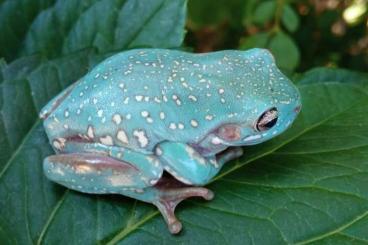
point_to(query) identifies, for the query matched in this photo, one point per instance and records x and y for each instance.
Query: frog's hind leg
(97, 168)
(94, 173)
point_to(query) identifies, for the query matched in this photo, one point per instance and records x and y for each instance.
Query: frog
(157, 125)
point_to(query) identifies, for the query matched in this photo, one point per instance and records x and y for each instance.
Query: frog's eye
(267, 120)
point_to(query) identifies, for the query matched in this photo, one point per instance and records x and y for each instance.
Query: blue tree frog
(144, 112)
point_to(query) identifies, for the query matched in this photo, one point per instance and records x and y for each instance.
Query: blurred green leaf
(289, 18)
(259, 40)
(281, 45)
(264, 12)
(203, 13)
(285, 51)
(15, 20)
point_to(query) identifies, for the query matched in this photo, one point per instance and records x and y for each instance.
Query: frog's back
(141, 97)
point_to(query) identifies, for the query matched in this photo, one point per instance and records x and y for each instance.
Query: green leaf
(285, 51)
(289, 18)
(70, 41)
(15, 19)
(323, 74)
(264, 12)
(106, 25)
(308, 185)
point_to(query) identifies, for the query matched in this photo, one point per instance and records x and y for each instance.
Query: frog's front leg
(190, 167)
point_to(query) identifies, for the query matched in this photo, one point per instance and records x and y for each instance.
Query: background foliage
(311, 32)
(309, 185)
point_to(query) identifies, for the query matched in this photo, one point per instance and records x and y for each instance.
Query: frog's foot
(171, 193)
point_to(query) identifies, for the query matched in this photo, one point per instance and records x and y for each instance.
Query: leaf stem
(279, 8)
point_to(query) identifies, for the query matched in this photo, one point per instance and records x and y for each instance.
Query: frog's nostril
(297, 109)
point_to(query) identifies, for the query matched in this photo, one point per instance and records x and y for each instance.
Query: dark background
(301, 34)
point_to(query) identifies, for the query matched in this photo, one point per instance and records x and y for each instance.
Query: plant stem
(279, 8)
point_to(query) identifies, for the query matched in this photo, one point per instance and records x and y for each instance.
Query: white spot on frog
(252, 137)
(192, 97)
(158, 151)
(144, 113)
(116, 119)
(59, 143)
(194, 155)
(106, 140)
(90, 132)
(209, 117)
(172, 125)
(139, 97)
(121, 136)
(121, 180)
(216, 141)
(149, 119)
(141, 137)
(176, 99)
(194, 123)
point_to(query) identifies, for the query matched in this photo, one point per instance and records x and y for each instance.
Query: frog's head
(270, 105)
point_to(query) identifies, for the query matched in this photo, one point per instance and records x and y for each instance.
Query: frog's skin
(144, 111)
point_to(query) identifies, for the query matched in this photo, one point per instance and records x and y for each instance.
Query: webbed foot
(171, 193)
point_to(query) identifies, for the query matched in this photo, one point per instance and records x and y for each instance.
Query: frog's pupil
(271, 123)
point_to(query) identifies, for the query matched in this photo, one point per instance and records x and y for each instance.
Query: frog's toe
(175, 227)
